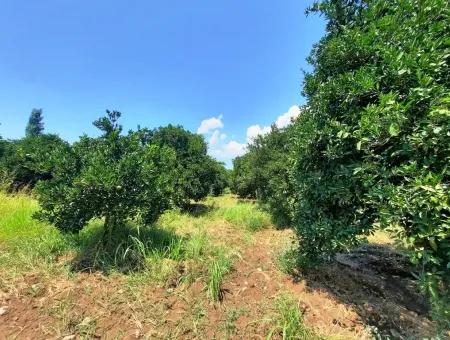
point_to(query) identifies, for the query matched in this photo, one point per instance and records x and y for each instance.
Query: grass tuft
(288, 321)
(218, 269)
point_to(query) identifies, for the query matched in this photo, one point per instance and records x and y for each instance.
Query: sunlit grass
(244, 215)
(27, 242)
(181, 247)
(288, 321)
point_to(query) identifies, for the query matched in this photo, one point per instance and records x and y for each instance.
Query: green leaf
(394, 129)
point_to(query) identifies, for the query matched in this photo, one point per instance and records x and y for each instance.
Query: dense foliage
(373, 148)
(114, 177)
(198, 175)
(26, 161)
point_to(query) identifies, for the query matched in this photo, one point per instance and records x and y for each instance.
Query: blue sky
(233, 64)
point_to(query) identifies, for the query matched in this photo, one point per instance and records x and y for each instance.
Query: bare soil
(372, 286)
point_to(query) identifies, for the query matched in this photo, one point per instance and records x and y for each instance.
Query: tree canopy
(114, 177)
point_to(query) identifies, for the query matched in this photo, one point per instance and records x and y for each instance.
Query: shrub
(265, 173)
(26, 161)
(113, 177)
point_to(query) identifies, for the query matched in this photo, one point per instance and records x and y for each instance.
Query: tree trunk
(108, 229)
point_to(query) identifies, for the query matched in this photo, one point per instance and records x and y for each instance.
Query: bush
(373, 147)
(113, 177)
(265, 173)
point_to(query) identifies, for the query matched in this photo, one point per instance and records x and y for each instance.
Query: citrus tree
(373, 147)
(114, 177)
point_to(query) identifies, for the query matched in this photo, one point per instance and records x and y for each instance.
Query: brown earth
(370, 287)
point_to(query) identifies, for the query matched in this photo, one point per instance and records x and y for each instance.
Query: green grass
(218, 269)
(288, 321)
(27, 244)
(178, 248)
(246, 215)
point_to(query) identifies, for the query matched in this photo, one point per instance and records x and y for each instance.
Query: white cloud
(210, 124)
(214, 137)
(233, 149)
(229, 150)
(225, 150)
(256, 130)
(282, 121)
(286, 118)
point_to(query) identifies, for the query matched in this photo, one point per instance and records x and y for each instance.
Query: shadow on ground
(379, 283)
(198, 209)
(126, 252)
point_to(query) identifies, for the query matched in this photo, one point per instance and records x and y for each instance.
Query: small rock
(3, 310)
(69, 337)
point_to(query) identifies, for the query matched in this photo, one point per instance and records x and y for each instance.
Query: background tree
(197, 173)
(35, 126)
(265, 173)
(244, 182)
(26, 161)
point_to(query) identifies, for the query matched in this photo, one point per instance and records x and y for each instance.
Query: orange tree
(373, 147)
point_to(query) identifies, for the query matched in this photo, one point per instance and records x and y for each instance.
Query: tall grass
(218, 269)
(27, 243)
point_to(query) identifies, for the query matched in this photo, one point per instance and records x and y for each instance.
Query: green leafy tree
(197, 174)
(26, 161)
(265, 173)
(244, 182)
(373, 147)
(35, 126)
(273, 166)
(220, 178)
(114, 177)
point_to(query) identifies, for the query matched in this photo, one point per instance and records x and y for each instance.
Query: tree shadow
(198, 209)
(380, 284)
(126, 252)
